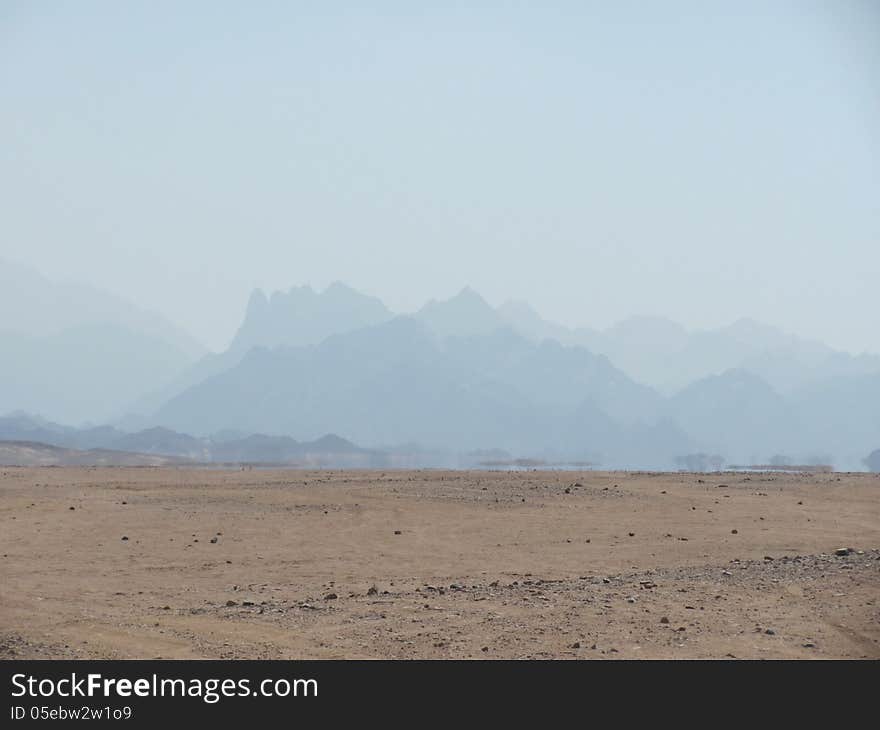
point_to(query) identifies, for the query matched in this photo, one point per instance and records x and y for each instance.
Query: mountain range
(29, 438)
(455, 376)
(76, 353)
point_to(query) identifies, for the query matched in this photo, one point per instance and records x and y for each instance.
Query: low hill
(32, 453)
(31, 440)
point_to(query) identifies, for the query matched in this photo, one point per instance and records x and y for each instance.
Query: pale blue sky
(703, 161)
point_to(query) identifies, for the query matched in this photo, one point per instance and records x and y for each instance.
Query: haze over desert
(449, 343)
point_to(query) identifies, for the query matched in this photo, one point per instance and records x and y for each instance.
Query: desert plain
(282, 564)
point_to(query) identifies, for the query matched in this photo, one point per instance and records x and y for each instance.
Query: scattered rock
(231, 603)
(664, 620)
(734, 532)
(330, 597)
(576, 645)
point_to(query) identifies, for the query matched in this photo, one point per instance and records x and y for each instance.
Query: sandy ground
(429, 564)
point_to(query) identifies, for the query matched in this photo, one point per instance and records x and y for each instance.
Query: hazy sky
(624, 158)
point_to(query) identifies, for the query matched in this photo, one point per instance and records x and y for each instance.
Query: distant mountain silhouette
(29, 453)
(300, 316)
(737, 414)
(40, 307)
(522, 318)
(399, 381)
(456, 376)
(663, 354)
(160, 440)
(841, 415)
(84, 373)
(21, 426)
(786, 362)
(467, 313)
(45, 441)
(460, 375)
(77, 353)
(329, 450)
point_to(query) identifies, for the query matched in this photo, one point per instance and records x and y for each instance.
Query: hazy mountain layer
(78, 354)
(399, 382)
(300, 316)
(84, 373)
(666, 356)
(456, 376)
(34, 305)
(20, 434)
